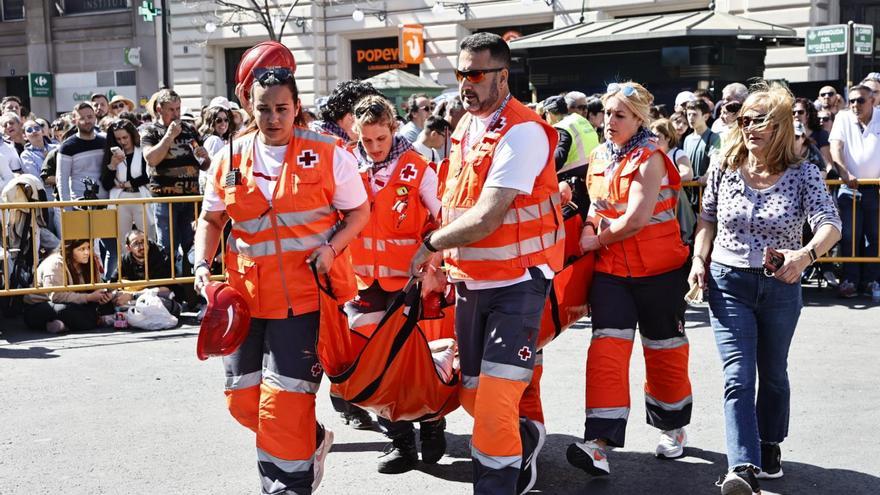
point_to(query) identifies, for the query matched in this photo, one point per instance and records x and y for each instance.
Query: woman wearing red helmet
(295, 199)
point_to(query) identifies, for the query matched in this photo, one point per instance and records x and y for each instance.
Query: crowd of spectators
(105, 148)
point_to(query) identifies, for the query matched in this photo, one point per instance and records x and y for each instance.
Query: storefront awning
(678, 25)
(398, 79)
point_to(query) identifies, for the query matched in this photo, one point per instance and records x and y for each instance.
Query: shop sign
(68, 97)
(374, 56)
(85, 6)
(133, 56)
(412, 44)
(40, 84)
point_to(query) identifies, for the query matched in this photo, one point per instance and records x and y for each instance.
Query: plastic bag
(150, 313)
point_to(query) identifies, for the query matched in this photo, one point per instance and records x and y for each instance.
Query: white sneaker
(321, 456)
(672, 443)
(590, 457)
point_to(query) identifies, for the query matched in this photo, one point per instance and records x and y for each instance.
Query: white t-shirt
(268, 160)
(428, 153)
(427, 189)
(519, 158)
(861, 148)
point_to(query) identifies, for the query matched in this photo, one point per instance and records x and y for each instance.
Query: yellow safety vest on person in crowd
(583, 140)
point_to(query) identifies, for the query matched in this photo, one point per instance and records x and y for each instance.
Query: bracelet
(427, 243)
(699, 257)
(813, 256)
(590, 224)
(202, 263)
(335, 253)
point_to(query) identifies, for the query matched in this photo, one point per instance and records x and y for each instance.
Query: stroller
(18, 253)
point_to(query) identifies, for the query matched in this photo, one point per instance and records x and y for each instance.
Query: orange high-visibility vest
(655, 249)
(384, 249)
(532, 233)
(270, 242)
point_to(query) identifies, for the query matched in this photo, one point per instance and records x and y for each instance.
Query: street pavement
(136, 413)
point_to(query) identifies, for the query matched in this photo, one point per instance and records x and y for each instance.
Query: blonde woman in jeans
(759, 197)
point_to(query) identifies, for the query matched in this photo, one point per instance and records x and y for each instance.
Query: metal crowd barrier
(91, 220)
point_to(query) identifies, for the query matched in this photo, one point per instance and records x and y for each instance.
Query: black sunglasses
(830, 94)
(374, 108)
(858, 101)
(118, 105)
(222, 119)
(746, 122)
(799, 112)
(824, 119)
(475, 76)
(272, 76)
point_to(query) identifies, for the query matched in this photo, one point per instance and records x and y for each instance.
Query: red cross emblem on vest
(499, 125)
(409, 172)
(525, 353)
(307, 159)
(317, 369)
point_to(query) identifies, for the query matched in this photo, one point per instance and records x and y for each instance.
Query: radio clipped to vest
(233, 177)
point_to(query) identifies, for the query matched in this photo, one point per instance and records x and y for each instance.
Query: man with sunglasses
(855, 150)
(418, 109)
(828, 100)
(502, 243)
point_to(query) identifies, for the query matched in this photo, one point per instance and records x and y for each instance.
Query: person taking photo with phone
(756, 202)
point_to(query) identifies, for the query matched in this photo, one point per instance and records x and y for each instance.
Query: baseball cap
(684, 97)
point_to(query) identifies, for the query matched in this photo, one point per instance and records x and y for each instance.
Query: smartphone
(115, 149)
(773, 260)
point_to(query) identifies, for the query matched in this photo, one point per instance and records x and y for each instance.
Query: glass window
(13, 10)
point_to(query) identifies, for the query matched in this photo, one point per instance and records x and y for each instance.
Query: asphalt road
(137, 413)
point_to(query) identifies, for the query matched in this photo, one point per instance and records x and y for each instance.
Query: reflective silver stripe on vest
(289, 384)
(290, 219)
(313, 136)
(238, 382)
(288, 244)
(470, 382)
(379, 244)
(658, 345)
(510, 251)
(617, 333)
(513, 215)
(359, 320)
(495, 461)
(285, 465)
(663, 216)
(539, 359)
(669, 406)
(381, 271)
(505, 371)
(608, 412)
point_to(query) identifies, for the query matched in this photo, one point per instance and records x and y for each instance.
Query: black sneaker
(771, 461)
(400, 455)
(740, 481)
(532, 435)
(358, 419)
(432, 437)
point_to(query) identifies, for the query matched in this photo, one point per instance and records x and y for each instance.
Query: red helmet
(226, 322)
(262, 55)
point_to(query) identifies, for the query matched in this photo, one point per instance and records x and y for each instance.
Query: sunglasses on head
(626, 89)
(374, 108)
(799, 112)
(271, 76)
(118, 106)
(31, 129)
(828, 94)
(746, 122)
(475, 76)
(858, 101)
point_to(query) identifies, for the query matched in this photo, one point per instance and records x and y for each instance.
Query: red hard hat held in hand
(268, 54)
(226, 322)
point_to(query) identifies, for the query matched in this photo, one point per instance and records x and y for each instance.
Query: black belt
(759, 270)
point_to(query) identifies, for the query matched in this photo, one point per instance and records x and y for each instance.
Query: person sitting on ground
(61, 311)
(139, 256)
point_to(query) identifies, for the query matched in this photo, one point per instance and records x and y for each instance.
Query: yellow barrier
(90, 222)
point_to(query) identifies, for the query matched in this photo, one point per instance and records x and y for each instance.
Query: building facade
(87, 46)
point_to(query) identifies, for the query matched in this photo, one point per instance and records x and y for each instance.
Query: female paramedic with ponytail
(640, 278)
(403, 198)
(295, 199)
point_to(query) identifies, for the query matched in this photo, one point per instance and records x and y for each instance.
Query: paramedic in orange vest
(403, 198)
(640, 279)
(502, 239)
(295, 199)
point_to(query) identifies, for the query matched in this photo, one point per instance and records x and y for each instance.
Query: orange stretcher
(391, 372)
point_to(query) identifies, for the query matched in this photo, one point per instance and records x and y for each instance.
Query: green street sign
(863, 39)
(827, 40)
(40, 84)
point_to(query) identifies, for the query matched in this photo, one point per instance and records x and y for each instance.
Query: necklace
(489, 126)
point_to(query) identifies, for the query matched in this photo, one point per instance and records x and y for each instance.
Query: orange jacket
(532, 233)
(270, 242)
(655, 249)
(384, 249)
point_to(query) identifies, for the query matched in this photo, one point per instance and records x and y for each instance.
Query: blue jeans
(184, 214)
(865, 228)
(753, 317)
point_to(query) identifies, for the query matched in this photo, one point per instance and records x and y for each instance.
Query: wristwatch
(202, 263)
(427, 243)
